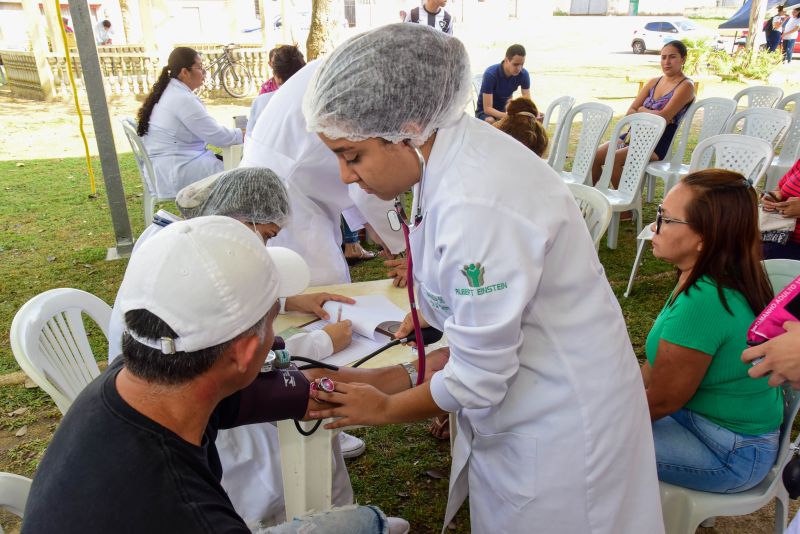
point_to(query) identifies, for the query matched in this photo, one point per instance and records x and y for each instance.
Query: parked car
(655, 34)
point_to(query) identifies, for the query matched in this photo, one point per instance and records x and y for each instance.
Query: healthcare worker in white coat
(250, 455)
(553, 430)
(175, 126)
(281, 141)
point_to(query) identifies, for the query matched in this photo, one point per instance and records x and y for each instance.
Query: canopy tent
(741, 19)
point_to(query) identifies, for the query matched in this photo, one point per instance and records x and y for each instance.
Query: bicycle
(235, 78)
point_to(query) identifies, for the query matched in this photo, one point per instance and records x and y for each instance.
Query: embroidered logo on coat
(474, 273)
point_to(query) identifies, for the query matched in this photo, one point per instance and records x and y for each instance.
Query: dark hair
(724, 211)
(181, 58)
(287, 61)
(154, 366)
(273, 52)
(521, 124)
(515, 50)
(679, 46)
(106, 23)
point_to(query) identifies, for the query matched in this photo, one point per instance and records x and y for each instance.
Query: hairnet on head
(397, 82)
(191, 198)
(252, 194)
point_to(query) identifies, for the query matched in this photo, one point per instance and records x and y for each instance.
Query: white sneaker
(398, 525)
(352, 447)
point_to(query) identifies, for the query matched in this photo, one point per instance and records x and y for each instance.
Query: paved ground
(587, 57)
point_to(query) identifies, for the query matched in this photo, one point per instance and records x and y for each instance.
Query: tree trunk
(320, 36)
(758, 12)
(126, 19)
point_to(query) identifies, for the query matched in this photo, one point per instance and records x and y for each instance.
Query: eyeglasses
(660, 218)
(201, 67)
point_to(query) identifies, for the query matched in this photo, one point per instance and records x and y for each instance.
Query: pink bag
(769, 323)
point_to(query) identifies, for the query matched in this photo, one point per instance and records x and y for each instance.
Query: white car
(657, 33)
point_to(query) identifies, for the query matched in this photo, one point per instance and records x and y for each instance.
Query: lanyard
(398, 220)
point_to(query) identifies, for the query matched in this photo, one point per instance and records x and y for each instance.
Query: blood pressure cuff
(273, 396)
(784, 307)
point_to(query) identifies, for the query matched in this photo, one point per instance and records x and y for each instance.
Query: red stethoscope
(398, 220)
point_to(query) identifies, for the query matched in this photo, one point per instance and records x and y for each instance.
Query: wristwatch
(412, 373)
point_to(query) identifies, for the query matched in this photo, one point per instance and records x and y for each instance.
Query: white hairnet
(397, 82)
(252, 194)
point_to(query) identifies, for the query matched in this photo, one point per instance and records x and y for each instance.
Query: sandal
(361, 254)
(440, 427)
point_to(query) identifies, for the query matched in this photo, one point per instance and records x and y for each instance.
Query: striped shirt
(441, 20)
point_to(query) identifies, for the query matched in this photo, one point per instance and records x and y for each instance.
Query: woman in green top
(715, 428)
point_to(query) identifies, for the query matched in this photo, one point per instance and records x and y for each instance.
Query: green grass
(53, 235)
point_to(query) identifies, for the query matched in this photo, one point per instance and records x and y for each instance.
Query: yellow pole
(93, 189)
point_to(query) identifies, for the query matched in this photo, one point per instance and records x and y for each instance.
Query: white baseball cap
(210, 279)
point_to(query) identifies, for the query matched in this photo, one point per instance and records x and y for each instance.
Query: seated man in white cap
(136, 452)
(250, 455)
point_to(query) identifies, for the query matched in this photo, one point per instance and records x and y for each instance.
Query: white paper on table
(359, 346)
(366, 314)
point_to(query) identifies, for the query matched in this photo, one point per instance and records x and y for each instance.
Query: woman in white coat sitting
(175, 126)
(553, 430)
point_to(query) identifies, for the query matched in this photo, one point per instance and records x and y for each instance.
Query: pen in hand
(339, 315)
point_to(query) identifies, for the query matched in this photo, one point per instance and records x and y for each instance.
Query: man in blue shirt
(499, 83)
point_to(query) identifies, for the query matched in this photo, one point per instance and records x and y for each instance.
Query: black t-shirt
(111, 469)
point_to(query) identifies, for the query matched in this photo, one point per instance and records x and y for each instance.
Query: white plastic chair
(50, 344)
(685, 509)
(477, 81)
(768, 124)
(595, 208)
(557, 111)
(759, 96)
(790, 151)
(14, 490)
(146, 172)
(715, 114)
(748, 156)
(596, 118)
(645, 131)
(781, 272)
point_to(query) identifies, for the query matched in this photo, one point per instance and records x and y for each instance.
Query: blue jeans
(348, 236)
(773, 40)
(352, 520)
(695, 453)
(788, 49)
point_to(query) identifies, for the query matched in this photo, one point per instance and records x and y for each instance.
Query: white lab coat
(179, 130)
(258, 105)
(310, 171)
(250, 455)
(553, 427)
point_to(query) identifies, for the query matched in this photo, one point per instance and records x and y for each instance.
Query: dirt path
(38, 130)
